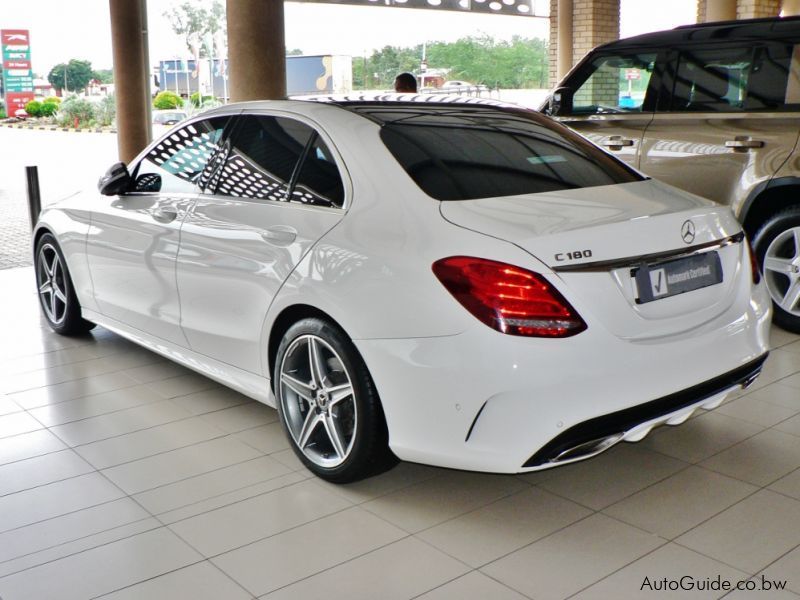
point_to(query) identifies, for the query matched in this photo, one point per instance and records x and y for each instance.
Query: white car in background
(451, 282)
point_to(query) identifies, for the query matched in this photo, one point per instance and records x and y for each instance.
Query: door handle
(279, 235)
(164, 215)
(616, 142)
(743, 143)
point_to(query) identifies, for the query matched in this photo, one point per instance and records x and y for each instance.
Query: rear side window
(712, 80)
(318, 181)
(496, 154)
(262, 158)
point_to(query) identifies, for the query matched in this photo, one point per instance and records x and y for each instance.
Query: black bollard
(34, 197)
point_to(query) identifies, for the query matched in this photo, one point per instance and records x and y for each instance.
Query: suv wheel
(777, 247)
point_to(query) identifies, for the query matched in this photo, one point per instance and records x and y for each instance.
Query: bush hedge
(34, 108)
(167, 100)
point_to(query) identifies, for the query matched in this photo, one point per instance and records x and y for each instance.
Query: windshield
(463, 154)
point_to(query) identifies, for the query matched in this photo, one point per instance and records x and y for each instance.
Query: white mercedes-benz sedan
(456, 283)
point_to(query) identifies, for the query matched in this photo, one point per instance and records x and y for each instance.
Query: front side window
(615, 84)
(262, 159)
(485, 154)
(182, 161)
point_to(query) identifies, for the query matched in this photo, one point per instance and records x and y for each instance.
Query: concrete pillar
(256, 50)
(131, 76)
(564, 18)
(790, 8)
(756, 9)
(593, 22)
(716, 10)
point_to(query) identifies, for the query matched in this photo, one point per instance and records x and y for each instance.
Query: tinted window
(712, 80)
(263, 155)
(181, 162)
(768, 89)
(318, 181)
(486, 154)
(615, 84)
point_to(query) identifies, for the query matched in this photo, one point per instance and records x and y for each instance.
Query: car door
(719, 129)
(133, 239)
(280, 191)
(613, 97)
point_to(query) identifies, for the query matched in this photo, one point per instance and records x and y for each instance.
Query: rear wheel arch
(767, 199)
(288, 317)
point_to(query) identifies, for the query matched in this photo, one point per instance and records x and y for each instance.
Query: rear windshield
(483, 154)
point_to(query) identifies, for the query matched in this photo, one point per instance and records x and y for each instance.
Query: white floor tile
(293, 555)
(102, 570)
(181, 464)
(201, 581)
(251, 520)
(751, 534)
(41, 470)
(28, 445)
(574, 558)
(141, 444)
(17, 423)
(401, 570)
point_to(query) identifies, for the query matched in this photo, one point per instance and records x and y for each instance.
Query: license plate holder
(669, 278)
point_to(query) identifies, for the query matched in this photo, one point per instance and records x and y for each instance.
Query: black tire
(775, 237)
(356, 418)
(60, 305)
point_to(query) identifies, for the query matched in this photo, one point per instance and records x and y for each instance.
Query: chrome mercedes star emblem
(687, 231)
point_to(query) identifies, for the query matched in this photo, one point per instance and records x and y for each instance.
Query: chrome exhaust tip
(588, 449)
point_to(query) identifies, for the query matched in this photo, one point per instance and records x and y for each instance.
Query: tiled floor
(123, 476)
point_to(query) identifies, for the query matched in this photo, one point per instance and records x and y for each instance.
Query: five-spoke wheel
(328, 403)
(56, 294)
(777, 246)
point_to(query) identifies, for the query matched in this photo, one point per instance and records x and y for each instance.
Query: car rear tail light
(754, 268)
(509, 299)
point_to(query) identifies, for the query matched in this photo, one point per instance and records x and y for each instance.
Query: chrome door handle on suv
(742, 143)
(616, 142)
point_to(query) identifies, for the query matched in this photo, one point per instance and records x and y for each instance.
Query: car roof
(377, 107)
(721, 31)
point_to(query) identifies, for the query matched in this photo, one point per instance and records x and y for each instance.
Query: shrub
(167, 100)
(48, 108)
(198, 101)
(78, 108)
(3, 113)
(34, 108)
(106, 111)
(52, 100)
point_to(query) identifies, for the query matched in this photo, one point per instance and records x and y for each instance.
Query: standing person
(405, 83)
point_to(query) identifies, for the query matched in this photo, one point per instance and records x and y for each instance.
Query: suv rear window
(465, 155)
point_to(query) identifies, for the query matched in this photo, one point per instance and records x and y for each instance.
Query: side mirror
(561, 101)
(117, 180)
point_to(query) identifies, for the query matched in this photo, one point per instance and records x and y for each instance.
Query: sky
(61, 29)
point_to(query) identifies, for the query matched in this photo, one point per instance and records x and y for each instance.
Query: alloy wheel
(782, 270)
(318, 402)
(51, 281)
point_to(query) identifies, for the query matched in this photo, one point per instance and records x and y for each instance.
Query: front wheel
(328, 404)
(777, 247)
(56, 293)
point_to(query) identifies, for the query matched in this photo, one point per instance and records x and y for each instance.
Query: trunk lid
(626, 226)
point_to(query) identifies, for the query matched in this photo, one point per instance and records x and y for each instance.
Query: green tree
(198, 22)
(78, 75)
(104, 75)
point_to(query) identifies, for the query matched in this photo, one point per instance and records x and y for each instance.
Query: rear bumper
(632, 424)
(485, 401)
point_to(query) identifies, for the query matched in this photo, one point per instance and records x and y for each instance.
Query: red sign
(17, 64)
(632, 74)
(15, 37)
(16, 101)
